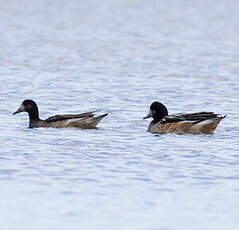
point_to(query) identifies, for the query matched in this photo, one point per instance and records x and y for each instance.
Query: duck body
(84, 120)
(194, 123)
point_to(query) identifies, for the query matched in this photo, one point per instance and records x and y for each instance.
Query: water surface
(118, 56)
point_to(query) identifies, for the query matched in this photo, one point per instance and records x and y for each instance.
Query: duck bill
(148, 115)
(18, 111)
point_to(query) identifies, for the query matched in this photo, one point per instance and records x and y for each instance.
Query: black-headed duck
(84, 120)
(196, 123)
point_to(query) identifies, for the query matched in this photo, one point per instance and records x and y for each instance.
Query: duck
(86, 120)
(194, 123)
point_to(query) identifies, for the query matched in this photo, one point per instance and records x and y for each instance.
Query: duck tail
(209, 125)
(96, 120)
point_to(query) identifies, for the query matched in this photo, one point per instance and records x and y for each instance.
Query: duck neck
(156, 119)
(33, 116)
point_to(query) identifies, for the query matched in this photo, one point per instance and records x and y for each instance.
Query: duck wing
(69, 116)
(196, 117)
(172, 118)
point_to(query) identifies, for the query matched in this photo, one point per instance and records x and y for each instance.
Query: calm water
(118, 56)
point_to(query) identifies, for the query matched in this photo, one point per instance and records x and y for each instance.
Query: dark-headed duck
(202, 122)
(84, 120)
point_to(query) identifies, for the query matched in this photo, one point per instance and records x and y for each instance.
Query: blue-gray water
(118, 56)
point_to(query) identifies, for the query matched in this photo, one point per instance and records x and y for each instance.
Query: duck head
(30, 107)
(157, 111)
